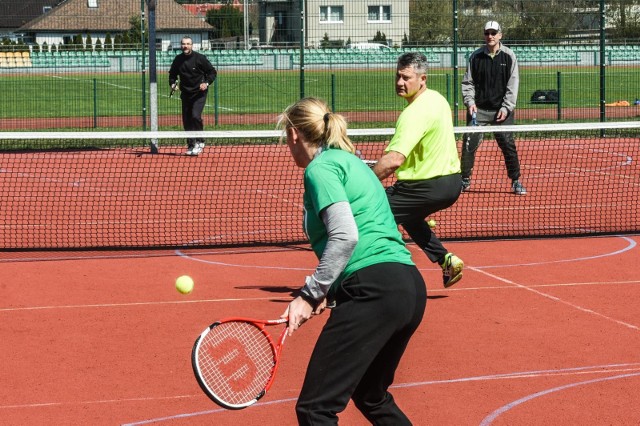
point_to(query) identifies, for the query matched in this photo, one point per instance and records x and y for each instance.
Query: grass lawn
(63, 94)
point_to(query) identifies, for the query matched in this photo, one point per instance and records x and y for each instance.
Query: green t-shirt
(335, 175)
(424, 135)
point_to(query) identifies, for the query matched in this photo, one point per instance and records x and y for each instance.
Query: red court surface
(538, 332)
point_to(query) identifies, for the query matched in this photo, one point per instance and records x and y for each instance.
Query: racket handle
(474, 120)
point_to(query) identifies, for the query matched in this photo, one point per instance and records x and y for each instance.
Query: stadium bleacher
(437, 55)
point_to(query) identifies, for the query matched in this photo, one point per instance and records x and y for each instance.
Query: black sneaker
(517, 188)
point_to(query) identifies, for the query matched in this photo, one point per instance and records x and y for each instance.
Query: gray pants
(505, 141)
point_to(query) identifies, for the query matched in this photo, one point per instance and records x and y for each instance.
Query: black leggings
(377, 310)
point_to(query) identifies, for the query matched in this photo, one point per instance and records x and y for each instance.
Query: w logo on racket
(235, 361)
(234, 365)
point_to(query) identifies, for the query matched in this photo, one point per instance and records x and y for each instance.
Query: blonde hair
(319, 126)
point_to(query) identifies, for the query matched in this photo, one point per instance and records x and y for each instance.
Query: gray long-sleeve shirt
(342, 234)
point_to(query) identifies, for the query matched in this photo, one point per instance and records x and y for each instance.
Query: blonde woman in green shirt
(424, 157)
(364, 269)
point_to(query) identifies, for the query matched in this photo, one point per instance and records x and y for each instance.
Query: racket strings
(236, 360)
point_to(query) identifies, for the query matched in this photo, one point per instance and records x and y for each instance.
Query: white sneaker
(189, 151)
(197, 149)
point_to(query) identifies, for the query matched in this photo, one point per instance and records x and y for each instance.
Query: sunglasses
(490, 33)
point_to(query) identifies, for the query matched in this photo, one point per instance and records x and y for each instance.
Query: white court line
(556, 299)
(250, 299)
(491, 417)
(631, 244)
(571, 371)
(120, 305)
(602, 369)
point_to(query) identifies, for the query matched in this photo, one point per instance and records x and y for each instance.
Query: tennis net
(88, 190)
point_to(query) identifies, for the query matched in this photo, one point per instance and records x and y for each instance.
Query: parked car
(368, 46)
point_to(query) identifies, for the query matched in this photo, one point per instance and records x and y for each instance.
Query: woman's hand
(298, 312)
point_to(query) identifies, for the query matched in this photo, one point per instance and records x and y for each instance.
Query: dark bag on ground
(544, 97)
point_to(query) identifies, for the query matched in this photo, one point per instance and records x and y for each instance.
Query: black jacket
(193, 70)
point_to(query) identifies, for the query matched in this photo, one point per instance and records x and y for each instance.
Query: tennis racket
(474, 122)
(173, 89)
(235, 360)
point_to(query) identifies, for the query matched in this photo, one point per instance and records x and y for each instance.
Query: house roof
(201, 9)
(113, 15)
(14, 14)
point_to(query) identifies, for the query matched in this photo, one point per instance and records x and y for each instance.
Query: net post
(143, 67)
(153, 80)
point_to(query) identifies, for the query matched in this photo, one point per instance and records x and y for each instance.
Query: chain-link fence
(80, 64)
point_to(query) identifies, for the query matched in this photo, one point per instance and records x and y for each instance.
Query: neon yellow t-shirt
(424, 135)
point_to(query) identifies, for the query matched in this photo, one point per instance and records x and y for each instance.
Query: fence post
(215, 101)
(559, 87)
(95, 103)
(602, 67)
(455, 62)
(333, 92)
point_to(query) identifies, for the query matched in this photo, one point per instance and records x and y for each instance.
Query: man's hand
(388, 164)
(501, 116)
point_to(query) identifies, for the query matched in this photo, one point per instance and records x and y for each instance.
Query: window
(379, 14)
(331, 14)
(92, 3)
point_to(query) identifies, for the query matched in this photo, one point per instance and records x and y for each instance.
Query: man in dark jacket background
(195, 74)
(490, 90)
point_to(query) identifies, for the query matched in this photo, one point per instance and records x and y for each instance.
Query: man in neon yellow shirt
(424, 156)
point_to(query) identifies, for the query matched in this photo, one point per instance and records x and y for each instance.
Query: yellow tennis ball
(184, 284)
(432, 223)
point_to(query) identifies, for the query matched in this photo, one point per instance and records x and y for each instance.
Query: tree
(534, 20)
(431, 21)
(227, 21)
(108, 43)
(380, 38)
(324, 43)
(77, 42)
(134, 34)
(623, 19)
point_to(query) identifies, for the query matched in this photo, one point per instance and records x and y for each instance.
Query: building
(16, 13)
(339, 21)
(97, 18)
(200, 9)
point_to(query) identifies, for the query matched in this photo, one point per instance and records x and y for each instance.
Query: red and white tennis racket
(235, 360)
